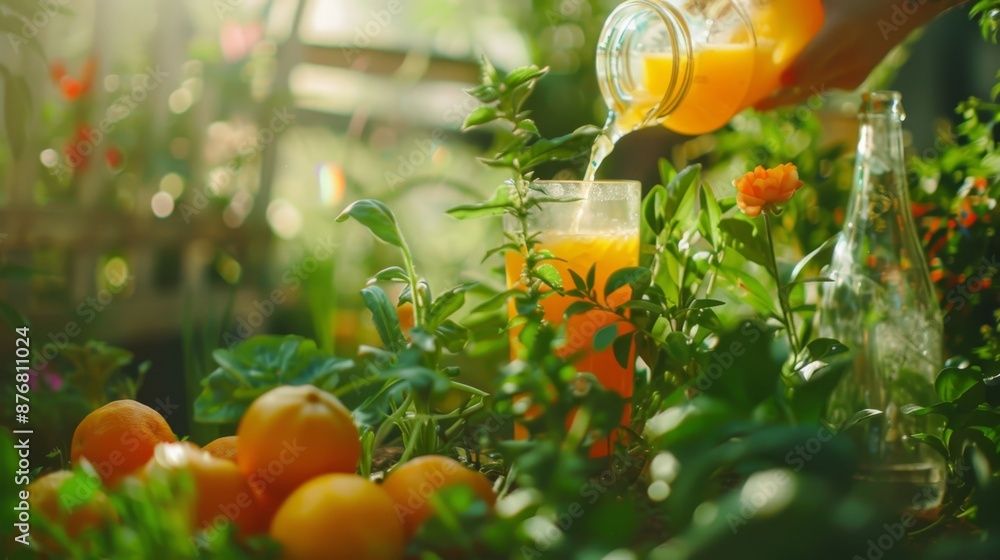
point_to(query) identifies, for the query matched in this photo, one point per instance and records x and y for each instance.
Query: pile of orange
(289, 471)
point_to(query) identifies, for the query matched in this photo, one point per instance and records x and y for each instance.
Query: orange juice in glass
(598, 226)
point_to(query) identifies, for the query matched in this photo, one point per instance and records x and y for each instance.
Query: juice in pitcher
(691, 65)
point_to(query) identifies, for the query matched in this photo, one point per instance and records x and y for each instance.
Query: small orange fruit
(222, 495)
(338, 516)
(223, 447)
(75, 503)
(412, 484)
(290, 435)
(406, 317)
(119, 438)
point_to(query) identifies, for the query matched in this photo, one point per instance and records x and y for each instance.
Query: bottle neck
(880, 201)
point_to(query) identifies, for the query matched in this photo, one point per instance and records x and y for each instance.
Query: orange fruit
(338, 516)
(119, 438)
(290, 435)
(412, 484)
(406, 317)
(76, 504)
(223, 447)
(222, 495)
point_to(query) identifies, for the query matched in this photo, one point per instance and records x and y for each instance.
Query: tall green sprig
(520, 148)
(542, 378)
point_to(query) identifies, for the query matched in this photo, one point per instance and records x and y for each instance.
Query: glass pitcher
(694, 64)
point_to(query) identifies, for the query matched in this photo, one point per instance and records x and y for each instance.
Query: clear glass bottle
(881, 304)
(694, 64)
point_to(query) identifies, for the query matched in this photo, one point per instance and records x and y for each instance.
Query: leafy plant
(970, 443)
(96, 367)
(258, 365)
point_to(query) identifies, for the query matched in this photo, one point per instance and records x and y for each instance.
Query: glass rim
(583, 182)
(577, 192)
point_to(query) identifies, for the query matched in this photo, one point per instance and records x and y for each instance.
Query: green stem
(578, 429)
(386, 426)
(469, 389)
(782, 297)
(411, 271)
(426, 430)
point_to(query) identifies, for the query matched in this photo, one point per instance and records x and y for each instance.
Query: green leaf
(578, 282)
(258, 365)
(744, 236)
(825, 347)
(391, 274)
(821, 254)
(550, 275)
(452, 335)
(484, 93)
(385, 317)
(706, 303)
(952, 382)
(710, 217)
(501, 249)
(787, 288)
(707, 319)
(680, 195)
(480, 115)
(688, 421)
(574, 145)
(667, 171)
(642, 305)
(652, 217)
(742, 369)
(623, 349)
(423, 339)
(528, 125)
(495, 206)
(749, 288)
(487, 72)
(422, 381)
(446, 304)
(605, 337)
(638, 278)
(942, 408)
(934, 442)
(496, 301)
(524, 75)
(678, 348)
(578, 307)
(377, 217)
(858, 417)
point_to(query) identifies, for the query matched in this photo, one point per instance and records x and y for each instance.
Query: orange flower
(763, 188)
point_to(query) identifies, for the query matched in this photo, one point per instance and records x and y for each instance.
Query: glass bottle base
(913, 487)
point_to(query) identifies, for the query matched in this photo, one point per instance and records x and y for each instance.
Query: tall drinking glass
(595, 223)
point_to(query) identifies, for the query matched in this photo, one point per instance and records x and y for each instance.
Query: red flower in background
(113, 157)
(80, 148)
(70, 87)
